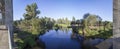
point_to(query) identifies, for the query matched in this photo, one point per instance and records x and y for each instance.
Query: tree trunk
(104, 28)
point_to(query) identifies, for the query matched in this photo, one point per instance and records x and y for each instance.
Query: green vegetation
(28, 29)
(92, 26)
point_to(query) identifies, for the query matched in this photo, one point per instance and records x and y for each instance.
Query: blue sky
(66, 8)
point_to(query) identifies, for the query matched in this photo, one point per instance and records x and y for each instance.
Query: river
(60, 39)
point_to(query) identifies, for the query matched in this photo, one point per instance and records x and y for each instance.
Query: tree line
(29, 28)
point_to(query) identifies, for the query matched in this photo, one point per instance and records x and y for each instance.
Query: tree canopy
(31, 11)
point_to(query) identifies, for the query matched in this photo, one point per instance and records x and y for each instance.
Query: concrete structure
(116, 17)
(6, 11)
(116, 24)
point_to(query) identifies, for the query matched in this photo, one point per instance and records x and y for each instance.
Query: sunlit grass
(63, 25)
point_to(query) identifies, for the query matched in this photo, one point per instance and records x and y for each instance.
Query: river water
(60, 39)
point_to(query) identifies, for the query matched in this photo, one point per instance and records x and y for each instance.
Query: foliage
(84, 22)
(86, 15)
(91, 19)
(105, 27)
(24, 40)
(35, 26)
(31, 27)
(73, 19)
(31, 11)
(63, 21)
(46, 23)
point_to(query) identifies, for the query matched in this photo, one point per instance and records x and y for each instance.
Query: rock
(91, 43)
(105, 44)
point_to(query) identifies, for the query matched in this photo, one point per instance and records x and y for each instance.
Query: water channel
(60, 39)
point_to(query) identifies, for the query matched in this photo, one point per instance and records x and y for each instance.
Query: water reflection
(60, 39)
(65, 30)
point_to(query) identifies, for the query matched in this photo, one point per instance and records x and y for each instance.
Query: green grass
(63, 25)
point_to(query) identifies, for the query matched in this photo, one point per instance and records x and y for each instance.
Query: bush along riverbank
(25, 40)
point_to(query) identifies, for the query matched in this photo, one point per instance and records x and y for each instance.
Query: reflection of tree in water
(63, 29)
(56, 30)
(66, 30)
(74, 32)
(56, 27)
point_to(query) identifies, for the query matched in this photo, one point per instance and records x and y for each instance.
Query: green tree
(84, 26)
(29, 26)
(61, 21)
(86, 15)
(91, 19)
(73, 18)
(31, 11)
(35, 26)
(99, 20)
(67, 21)
(46, 23)
(30, 19)
(107, 25)
(77, 22)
